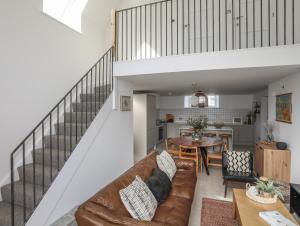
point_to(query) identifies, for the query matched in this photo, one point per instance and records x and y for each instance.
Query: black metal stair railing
(52, 141)
(173, 27)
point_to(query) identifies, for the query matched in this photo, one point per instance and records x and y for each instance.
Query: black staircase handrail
(100, 77)
(174, 27)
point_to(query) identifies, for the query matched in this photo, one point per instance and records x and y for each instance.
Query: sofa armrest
(185, 164)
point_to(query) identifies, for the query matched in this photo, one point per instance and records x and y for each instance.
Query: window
(68, 12)
(213, 101)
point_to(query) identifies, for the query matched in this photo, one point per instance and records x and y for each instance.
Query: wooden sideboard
(272, 163)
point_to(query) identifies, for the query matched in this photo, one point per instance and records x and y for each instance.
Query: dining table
(203, 144)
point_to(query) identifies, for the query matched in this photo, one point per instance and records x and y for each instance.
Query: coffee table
(247, 211)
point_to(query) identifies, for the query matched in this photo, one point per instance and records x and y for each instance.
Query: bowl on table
(218, 125)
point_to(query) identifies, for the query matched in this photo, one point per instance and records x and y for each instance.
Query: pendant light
(199, 99)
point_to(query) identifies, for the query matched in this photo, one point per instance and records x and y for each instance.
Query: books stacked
(274, 218)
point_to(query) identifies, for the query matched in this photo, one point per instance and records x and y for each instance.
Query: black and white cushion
(238, 161)
(139, 200)
(166, 163)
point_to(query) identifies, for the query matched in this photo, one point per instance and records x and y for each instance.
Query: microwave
(237, 120)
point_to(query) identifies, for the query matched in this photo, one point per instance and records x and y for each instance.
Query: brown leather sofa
(106, 208)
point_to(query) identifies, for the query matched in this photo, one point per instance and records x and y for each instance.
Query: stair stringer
(96, 161)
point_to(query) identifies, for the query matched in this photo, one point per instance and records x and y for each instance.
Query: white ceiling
(229, 81)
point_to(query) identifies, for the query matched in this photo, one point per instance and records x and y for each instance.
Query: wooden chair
(225, 138)
(215, 158)
(191, 153)
(172, 149)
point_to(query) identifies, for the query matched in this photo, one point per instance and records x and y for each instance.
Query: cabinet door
(235, 135)
(151, 112)
(152, 139)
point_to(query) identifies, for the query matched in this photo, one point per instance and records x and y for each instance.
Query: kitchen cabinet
(144, 124)
(243, 134)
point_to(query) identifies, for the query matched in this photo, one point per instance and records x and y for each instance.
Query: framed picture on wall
(284, 108)
(125, 103)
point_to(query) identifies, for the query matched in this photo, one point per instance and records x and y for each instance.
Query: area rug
(217, 213)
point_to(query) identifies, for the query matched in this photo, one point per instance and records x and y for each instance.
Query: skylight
(68, 12)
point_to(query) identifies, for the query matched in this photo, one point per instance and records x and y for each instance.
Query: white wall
(236, 101)
(288, 133)
(40, 60)
(226, 102)
(262, 118)
(104, 153)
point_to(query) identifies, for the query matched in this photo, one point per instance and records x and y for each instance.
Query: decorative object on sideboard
(281, 145)
(284, 108)
(269, 128)
(125, 103)
(198, 125)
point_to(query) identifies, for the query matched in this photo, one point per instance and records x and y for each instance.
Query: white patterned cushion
(238, 161)
(139, 200)
(166, 164)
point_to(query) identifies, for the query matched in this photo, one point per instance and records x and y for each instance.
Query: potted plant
(198, 125)
(267, 189)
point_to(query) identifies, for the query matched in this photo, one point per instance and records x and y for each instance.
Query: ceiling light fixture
(199, 99)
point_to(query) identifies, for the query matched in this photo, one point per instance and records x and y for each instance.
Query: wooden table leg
(204, 157)
(234, 208)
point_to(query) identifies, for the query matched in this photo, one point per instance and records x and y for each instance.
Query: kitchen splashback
(213, 114)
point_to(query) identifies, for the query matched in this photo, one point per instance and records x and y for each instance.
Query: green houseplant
(267, 189)
(198, 125)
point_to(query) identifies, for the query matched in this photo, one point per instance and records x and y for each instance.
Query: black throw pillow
(160, 185)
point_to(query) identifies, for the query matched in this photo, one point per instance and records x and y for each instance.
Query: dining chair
(172, 149)
(191, 153)
(226, 138)
(215, 158)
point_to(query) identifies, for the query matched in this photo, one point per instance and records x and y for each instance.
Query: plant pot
(267, 195)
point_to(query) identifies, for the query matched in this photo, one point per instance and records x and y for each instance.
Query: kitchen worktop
(209, 123)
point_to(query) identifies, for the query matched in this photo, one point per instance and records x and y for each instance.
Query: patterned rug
(217, 213)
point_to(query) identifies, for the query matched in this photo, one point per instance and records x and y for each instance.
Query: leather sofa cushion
(183, 184)
(174, 211)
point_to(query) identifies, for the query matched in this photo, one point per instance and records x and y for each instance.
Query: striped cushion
(139, 200)
(166, 164)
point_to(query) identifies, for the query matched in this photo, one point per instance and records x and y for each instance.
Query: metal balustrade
(57, 135)
(175, 27)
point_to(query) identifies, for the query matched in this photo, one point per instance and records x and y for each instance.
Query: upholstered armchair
(237, 168)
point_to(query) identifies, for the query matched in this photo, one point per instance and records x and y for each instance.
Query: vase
(196, 135)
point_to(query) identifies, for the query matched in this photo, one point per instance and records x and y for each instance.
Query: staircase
(43, 153)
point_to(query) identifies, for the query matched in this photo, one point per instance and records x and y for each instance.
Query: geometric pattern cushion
(238, 161)
(166, 164)
(139, 200)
